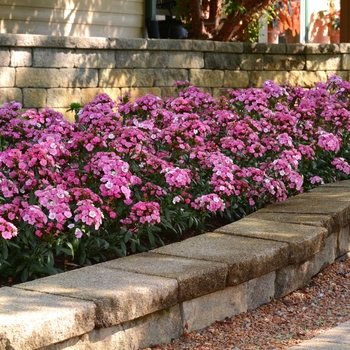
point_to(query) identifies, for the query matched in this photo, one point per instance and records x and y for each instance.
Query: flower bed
(127, 175)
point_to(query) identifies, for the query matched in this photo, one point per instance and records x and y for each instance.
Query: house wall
(81, 18)
(43, 71)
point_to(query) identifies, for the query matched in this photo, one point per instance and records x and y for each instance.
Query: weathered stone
(7, 77)
(53, 58)
(94, 59)
(220, 46)
(139, 92)
(222, 61)
(306, 79)
(284, 62)
(133, 59)
(167, 77)
(7, 40)
(55, 41)
(236, 79)
(21, 57)
(194, 277)
(322, 48)
(326, 256)
(304, 241)
(158, 59)
(126, 78)
(343, 238)
(292, 277)
(167, 92)
(206, 78)
(345, 62)
(169, 45)
(37, 77)
(264, 48)
(10, 94)
(130, 44)
(323, 62)
(296, 49)
(235, 251)
(135, 334)
(203, 311)
(31, 320)
(62, 97)
(257, 78)
(218, 92)
(252, 62)
(5, 57)
(34, 98)
(260, 290)
(92, 43)
(90, 93)
(73, 77)
(119, 296)
(344, 47)
(343, 74)
(203, 45)
(185, 60)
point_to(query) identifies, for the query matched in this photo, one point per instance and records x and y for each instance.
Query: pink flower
(7, 230)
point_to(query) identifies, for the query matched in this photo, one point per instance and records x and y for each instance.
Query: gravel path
(280, 324)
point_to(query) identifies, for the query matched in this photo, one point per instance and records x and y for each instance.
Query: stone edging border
(150, 298)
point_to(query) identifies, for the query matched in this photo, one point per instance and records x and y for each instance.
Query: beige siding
(85, 18)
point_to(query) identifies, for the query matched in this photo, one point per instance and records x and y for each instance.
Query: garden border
(153, 297)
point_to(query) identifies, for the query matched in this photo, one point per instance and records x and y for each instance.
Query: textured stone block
(90, 93)
(62, 97)
(158, 59)
(194, 277)
(185, 60)
(5, 57)
(139, 92)
(119, 296)
(34, 98)
(53, 58)
(203, 311)
(345, 62)
(306, 79)
(326, 256)
(10, 94)
(7, 40)
(284, 62)
(126, 78)
(41, 41)
(236, 79)
(133, 59)
(222, 61)
(7, 77)
(31, 320)
(292, 277)
(260, 290)
(94, 59)
(343, 241)
(296, 49)
(167, 77)
(206, 78)
(73, 77)
(203, 45)
(257, 78)
(252, 62)
(169, 45)
(323, 62)
(264, 48)
(37, 77)
(220, 46)
(21, 57)
(322, 48)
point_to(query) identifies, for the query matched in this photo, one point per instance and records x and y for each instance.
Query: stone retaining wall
(49, 71)
(150, 298)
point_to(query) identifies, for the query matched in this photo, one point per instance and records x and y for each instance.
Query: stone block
(194, 277)
(264, 48)
(231, 47)
(168, 77)
(343, 241)
(284, 62)
(38, 77)
(343, 74)
(303, 241)
(10, 94)
(260, 290)
(158, 59)
(139, 92)
(7, 40)
(34, 98)
(323, 62)
(223, 61)
(203, 45)
(126, 78)
(92, 43)
(252, 62)
(322, 49)
(293, 277)
(41, 41)
(53, 58)
(235, 251)
(5, 57)
(31, 320)
(129, 44)
(236, 79)
(62, 97)
(206, 78)
(166, 91)
(7, 77)
(326, 256)
(119, 296)
(306, 79)
(142, 332)
(203, 311)
(133, 59)
(90, 93)
(73, 77)
(185, 60)
(344, 47)
(218, 92)
(94, 59)
(345, 62)
(169, 45)
(21, 57)
(295, 49)
(257, 78)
